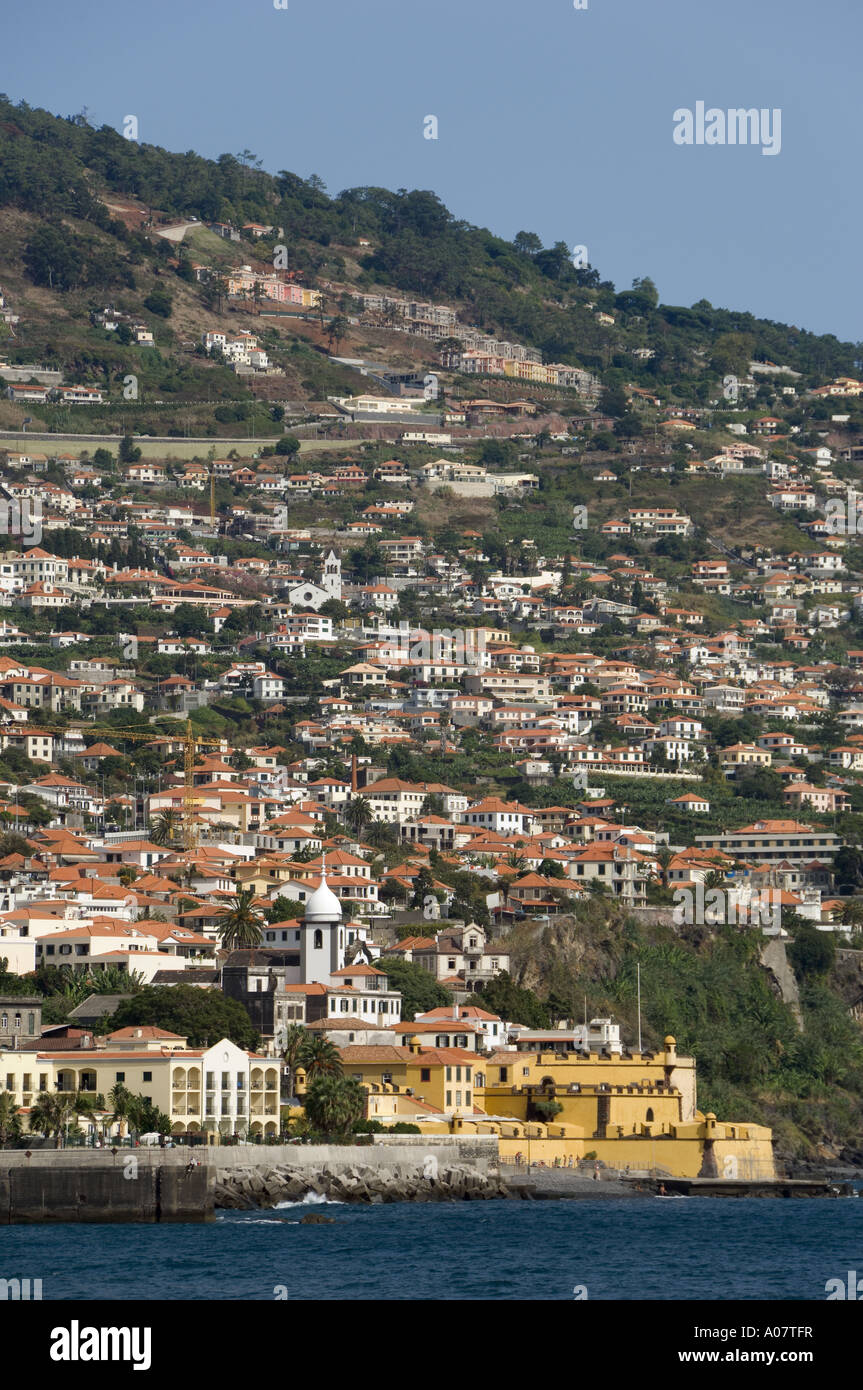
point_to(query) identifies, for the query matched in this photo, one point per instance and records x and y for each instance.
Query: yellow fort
(626, 1109)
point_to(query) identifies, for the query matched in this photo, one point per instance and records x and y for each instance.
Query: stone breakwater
(243, 1189)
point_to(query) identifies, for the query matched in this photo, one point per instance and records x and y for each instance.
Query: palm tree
(333, 1104)
(165, 829)
(337, 330)
(663, 858)
(240, 928)
(121, 1101)
(10, 1120)
(113, 980)
(294, 1040)
(357, 814)
(319, 1057)
(54, 1109)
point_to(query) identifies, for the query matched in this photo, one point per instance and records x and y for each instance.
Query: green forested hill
(63, 168)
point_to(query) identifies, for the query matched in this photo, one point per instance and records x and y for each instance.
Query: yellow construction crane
(191, 742)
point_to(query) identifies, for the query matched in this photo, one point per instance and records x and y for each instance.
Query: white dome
(323, 905)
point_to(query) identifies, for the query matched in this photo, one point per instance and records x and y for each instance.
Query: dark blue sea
(682, 1248)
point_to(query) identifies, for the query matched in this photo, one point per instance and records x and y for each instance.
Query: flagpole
(638, 974)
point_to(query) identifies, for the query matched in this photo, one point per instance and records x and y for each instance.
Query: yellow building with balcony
(219, 1091)
(441, 1079)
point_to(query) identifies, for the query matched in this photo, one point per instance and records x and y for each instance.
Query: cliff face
(775, 959)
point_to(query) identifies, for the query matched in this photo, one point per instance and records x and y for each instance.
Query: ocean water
(684, 1248)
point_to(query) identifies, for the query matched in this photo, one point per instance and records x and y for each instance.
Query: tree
(527, 243)
(128, 452)
(120, 1101)
(283, 909)
(812, 952)
(240, 928)
(203, 1016)
(848, 867)
(52, 257)
(159, 302)
(503, 996)
(337, 330)
(319, 1057)
(53, 1111)
(334, 1104)
(290, 1049)
(357, 814)
(10, 1120)
(288, 444)
(165, 829)
(147, 1118)
(419, 990)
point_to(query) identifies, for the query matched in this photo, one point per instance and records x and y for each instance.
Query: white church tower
(331, 579)
(322, 943)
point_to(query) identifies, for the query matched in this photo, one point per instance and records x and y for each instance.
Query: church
(307, 594)
(306, 978)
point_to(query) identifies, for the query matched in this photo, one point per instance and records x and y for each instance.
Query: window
(425, 1073)
(147, 1076)
(449, 1098)
(119, 1076)
(319, 940)
(504, 1073)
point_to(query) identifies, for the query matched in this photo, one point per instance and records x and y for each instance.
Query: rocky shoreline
(245, 1189)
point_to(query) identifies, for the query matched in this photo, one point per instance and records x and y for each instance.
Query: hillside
(627, 500)
(795, 1069)
(81, 212)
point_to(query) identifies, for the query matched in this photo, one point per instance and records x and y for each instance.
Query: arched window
(649, 1115)
(319, 939)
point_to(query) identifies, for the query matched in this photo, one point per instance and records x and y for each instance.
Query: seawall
(397, 1168)
(98, 1187)
(154, 1185)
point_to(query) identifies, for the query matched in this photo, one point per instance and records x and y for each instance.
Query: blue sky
(551, 119)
